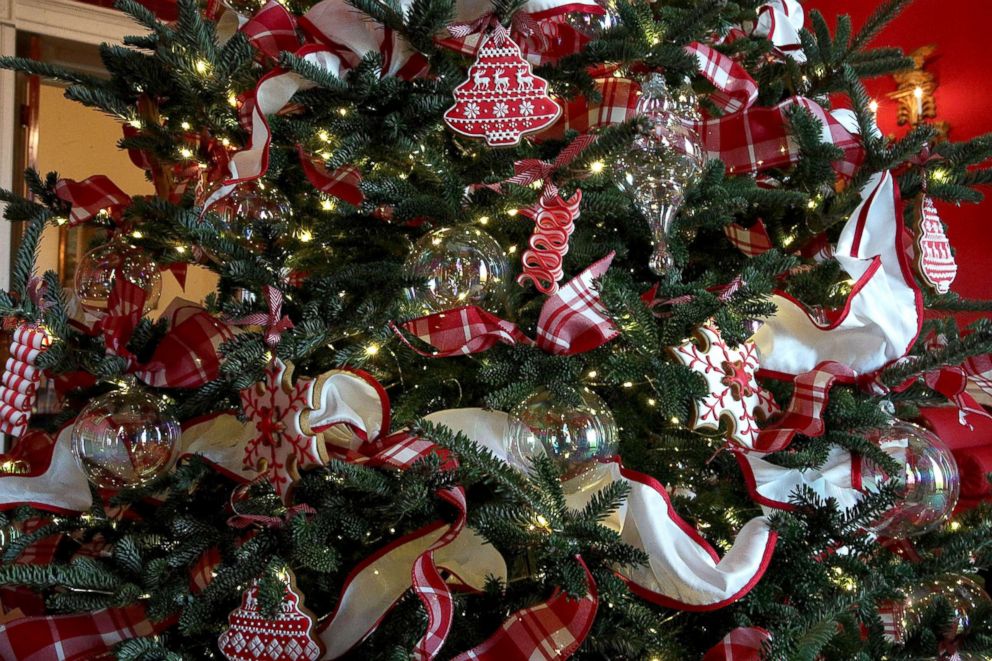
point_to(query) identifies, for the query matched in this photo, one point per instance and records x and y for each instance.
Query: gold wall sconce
(915, 93)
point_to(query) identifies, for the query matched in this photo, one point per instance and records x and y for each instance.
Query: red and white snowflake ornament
(502, 100)
(252, 636)
(934, 258)
(735, 403)
(282, 441)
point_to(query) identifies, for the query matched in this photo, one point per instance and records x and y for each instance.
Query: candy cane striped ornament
(20, 379)
(554, 221)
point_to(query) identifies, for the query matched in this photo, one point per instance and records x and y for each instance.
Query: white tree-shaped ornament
(736, 404)
(282, 442)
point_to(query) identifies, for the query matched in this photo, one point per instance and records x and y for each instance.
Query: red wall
(959, 29)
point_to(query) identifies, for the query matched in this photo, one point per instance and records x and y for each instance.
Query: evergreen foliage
(818, 603)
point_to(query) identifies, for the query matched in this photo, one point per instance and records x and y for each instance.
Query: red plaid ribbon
(77, 637)
(735, 89)
(572, 321)
(951, 382)
(746, 139)
(542, 39)
(41, 552)
(979, 370)
(20, 379)
(617, 104)
(334, 39)
(274, 322)
(272, 30)
(549, 631)
(343, 183)
(741, 644)
(804, 415)
(757, 139)
(188, 356)
(532, 170)
(752, 241)
(90, 196)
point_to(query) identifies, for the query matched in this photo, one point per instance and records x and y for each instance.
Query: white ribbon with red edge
(684, 571)
(883, 314)
(780, 21)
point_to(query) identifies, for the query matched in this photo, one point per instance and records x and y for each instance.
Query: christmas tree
(639, 383)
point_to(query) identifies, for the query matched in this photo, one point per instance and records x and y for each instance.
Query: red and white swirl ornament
(21, 376)
(554, 221)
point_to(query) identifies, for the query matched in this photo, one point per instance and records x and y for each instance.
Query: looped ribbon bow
(274, 321)
(572, 321)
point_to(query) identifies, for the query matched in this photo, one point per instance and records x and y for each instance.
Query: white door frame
(65, 19)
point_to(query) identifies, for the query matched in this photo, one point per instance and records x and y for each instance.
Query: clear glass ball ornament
(961, 593)
(125, 438)
(663, 161)
(591, 25)
(576, 436)
(928, 485)
(250, 210)
(98, 269)
(456, 266)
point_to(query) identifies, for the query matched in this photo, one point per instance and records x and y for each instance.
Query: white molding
(63, 19)
(73, 21)
(8, 131)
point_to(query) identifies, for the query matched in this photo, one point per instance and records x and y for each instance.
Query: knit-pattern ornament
(252, 636)
(934, 258)
(502, 100)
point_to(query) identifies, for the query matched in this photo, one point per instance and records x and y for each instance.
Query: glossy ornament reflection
(928, 486)
(125, 438)
(456, 266)
(98, 269)
(577, 436)
(664, 160)
(962, 594)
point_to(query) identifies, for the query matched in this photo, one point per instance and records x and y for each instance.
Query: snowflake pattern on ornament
(282, 442)
(253, 637)
(736, 404)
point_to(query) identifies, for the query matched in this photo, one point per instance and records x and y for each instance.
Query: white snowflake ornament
(282, 442)
(736, 404)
